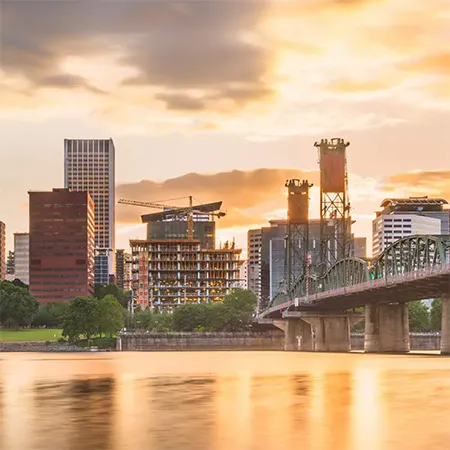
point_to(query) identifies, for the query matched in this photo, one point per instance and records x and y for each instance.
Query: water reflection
(224, 401)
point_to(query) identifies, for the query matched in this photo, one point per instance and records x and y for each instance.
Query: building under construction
(178, 262)
(169, 224)
(170, 272)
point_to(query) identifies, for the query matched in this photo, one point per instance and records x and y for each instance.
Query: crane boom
(151, 205)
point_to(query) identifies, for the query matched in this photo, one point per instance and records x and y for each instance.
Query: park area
(30, 335)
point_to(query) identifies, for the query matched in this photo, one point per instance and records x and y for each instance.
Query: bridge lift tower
(335, 221)
(297, 245)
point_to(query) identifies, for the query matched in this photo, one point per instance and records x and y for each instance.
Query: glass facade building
(89, 166)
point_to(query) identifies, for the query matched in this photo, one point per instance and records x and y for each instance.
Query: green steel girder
(405, 255)
(411, 253)
(346, 272)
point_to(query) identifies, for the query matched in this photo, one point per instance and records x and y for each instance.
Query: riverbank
(251, 341)
(145, 341)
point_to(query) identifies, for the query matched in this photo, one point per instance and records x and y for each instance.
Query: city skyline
(258, 108)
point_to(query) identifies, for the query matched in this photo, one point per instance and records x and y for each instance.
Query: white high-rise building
(22, 257)
(89, 165)
(243, 275)
(401, 217)
(390, 228)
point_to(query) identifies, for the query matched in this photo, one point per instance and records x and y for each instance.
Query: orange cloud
(431, 183)
(248, 196)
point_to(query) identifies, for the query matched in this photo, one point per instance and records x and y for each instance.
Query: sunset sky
(224, 100)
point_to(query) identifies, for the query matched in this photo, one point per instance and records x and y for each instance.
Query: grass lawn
(37, 335)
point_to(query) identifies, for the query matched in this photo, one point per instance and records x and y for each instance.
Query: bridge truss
(412, 255)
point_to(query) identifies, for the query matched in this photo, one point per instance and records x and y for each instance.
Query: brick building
(62, 242)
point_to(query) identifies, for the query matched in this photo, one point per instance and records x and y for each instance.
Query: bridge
(315, 314)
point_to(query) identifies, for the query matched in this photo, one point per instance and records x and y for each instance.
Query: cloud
(420, 183)
(248, 196)
(258, 68)
(213, 47)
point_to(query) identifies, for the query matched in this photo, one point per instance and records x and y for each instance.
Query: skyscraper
(89, 165)
(61, 245)
(2, 251)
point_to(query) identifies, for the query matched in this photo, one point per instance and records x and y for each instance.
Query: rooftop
(413, 201)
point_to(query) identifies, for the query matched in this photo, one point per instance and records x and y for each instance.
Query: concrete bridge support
(330, 334)
(387, 328)
(445, 332)
(297, 334)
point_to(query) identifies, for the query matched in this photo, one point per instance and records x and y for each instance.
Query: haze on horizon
(223, 100)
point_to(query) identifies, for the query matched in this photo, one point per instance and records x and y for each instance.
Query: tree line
(105, 313)
(235, 313)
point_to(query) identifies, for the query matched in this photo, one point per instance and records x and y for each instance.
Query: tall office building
(89, 165)
(22, 257)
(62, 233)
(401, 217)
(254, 267)
(2, 251)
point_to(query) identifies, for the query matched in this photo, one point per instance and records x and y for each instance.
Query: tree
(162, 322)
(241, 300)
(217, 317)
(189, 317)
(436, 314)
(17, 306)
(142, 320)
(50, 314)
(101, 291)
(419, 318)
(110, 315)
(240, 305)
(81, 318)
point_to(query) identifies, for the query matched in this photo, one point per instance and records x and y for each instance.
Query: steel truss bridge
(412, 268)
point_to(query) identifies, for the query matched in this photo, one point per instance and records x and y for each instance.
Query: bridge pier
(330, 334)
(445, 331)
(297, 334)
(387, 328)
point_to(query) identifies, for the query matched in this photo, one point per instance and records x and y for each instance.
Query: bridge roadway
(413, 268)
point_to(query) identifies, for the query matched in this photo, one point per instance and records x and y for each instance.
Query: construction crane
(175, 210)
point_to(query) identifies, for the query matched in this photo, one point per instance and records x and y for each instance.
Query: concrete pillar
(330, 334)
(445, 331)
(297, 335)
(387, 328)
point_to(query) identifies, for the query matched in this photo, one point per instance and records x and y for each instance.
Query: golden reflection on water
(223, 401)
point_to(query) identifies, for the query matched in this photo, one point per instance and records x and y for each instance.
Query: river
(223, 401)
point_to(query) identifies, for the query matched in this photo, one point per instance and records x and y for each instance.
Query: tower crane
(189, 211)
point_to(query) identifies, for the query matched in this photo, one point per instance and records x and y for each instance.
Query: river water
(223, 401)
